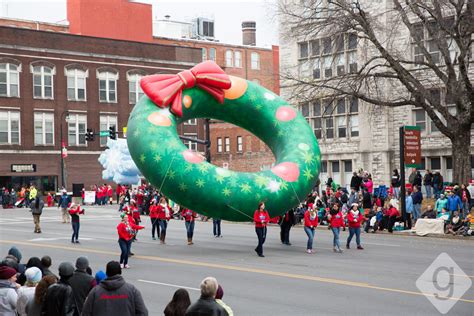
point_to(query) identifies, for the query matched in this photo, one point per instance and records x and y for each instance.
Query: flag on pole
(63, 150)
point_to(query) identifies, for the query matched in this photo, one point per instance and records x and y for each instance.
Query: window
(191, 122)
(341, 123)
(76, 84)
(43, 82)
(354, 117)
(106, 122)
(229, 61)
(9, 127)
(255, 61)
(240, 146)
(238, 59)
(303, 50)
(219, 144)
(227, 144)
(426, 36)
(9, 80)
(191, 145)
(212, 54)
(327, 46)
(135, 91)
(419, 117)
(316, 68)
(315, 49)
(44, 128)
(107, 86)
(329, 127)
(340, 64)
(327, 65)
(435, 163)
(208, 28)
(352, 41)
(204, 54)
(77, 129)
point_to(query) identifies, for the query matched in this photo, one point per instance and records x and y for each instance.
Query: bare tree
(440, 32)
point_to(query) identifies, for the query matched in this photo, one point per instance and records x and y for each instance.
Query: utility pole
(402, 175)
(63, 116)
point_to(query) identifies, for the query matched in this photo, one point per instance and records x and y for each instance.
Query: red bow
(168, 89)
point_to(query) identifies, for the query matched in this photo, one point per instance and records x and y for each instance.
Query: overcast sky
(228, 14)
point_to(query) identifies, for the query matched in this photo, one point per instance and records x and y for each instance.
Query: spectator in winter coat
(470, 188)
(354, 220)
(366, 202)
(428, 183)
(59, 297)
(465, 196)
(37, 206)
(454, 202)
(441, 203)
(409, 208)
(417, 200)
(395, 182)
(356, 181)
(27, 292)
(219, 296)
(178, 304)
(81, 282)
(206, 304)
(369, 185)
(418, 180)
(437, 184)
(35, 305)
(392, 214)
(411, 177)
(430, 213)
(8, 291)
(64, 201)
(113, 296)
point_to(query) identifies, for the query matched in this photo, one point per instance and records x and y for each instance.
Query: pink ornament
(159, 119)
(285, 113)
(192, 157)
(288, 171)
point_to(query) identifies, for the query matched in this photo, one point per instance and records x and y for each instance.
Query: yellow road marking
(237, 268)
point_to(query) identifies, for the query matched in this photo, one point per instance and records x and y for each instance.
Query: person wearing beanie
(27, 292)
(81, 282)
(219, 296)
(100, 276)
(59, 297)
(8, 291)
(32, 262)
(14, 256)
(113, 296)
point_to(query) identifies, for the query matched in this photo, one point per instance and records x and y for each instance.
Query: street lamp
(64, 117)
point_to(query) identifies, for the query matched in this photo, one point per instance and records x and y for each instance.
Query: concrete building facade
(352, 134)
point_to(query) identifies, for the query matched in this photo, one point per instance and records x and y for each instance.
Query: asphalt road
(379, 280)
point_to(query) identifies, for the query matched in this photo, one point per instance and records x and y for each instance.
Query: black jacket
(59, 300)
(114, 297)
(206, 307)
(356, 181)
(81, 284)
(366, 200)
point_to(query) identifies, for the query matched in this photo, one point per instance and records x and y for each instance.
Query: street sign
(104, 133)
(412, 146)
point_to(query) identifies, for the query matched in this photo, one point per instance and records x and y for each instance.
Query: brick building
(53, 79)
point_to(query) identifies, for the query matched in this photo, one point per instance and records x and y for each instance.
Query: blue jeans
(216, 227)
(335, 232)
(125, 246)
(163, 225)
(416, 211)
(352, 231)
(396, 192)
(189, 228)
(310, 232)
(261, 235)
(428, 189)
(75, 231)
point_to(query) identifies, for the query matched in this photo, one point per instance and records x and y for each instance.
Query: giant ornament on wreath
(184, 176)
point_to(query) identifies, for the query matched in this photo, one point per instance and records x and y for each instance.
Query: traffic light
(112, 132)
(90, 135)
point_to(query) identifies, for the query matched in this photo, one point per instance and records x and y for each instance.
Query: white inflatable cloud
(118, 164)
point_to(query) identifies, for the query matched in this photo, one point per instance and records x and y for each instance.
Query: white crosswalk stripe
(58, 218)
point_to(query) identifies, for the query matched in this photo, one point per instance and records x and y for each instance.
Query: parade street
(377, 280)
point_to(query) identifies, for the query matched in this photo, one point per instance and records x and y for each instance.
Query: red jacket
(308, 222)
(188, 215)
(393, 212)
(110, 192)
(162, 212)
(354, 221)
(118, 189)
(127, 231)
(337, 220)
(154, 211)
(261, 219)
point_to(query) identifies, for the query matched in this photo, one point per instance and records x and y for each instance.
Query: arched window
(107, 85)
(9, 78)
(43, 74)
(135, 91)
(76, 82)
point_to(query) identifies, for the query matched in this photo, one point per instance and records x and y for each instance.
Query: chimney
(249, 36)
